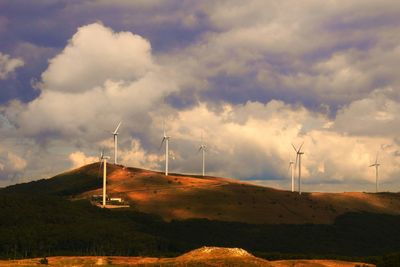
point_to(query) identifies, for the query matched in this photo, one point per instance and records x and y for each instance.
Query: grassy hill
(177, 197)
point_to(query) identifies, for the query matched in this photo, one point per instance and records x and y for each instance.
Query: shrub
(44, 261)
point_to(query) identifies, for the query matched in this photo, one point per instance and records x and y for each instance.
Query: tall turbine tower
(166, 139)
(115, 134)
(376, 165)
(298, 159)
(292, 173)
(203, 148)
(103, 159)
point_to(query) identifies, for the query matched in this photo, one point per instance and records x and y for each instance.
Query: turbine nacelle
(165, 138)
(102, 156)
(202, 147)
(376, 164)
(290, 164)
(298, 153)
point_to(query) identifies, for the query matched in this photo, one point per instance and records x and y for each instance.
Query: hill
(205, 256)
(180, 197)
(53, 217)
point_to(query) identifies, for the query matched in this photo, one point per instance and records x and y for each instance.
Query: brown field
(205, 256)
(183, 196)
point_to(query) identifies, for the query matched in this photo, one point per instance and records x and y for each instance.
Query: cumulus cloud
(78, 159)
(375, 115)
(96, 54)
(11, 164)
(8, 65)
(99, 76)
(135, 155)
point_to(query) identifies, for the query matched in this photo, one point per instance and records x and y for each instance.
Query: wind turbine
(298, 157)
(376, 165)
(103, 160)
(292, 173)
(115, 134)
(203, 148)
(166, 139)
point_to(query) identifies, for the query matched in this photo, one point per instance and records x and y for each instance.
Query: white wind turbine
(298, 159)
(115, 134)
(376, 165)
(203, 148)
(166, 139)
(291, 167)
(103, 159)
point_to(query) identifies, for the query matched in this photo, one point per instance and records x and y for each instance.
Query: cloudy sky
(252, 76)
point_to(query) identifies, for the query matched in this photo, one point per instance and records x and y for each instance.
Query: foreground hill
(184, 196)
(205, 256)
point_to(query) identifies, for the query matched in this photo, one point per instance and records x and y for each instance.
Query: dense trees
(43, 225)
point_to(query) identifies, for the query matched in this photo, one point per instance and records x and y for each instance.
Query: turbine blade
(294, 148)
(376, 159)
(116, 129)
(164, 128)
(301, 146)
(99, 171)
(162, 142)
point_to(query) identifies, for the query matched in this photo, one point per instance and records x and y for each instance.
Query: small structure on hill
(111, 202)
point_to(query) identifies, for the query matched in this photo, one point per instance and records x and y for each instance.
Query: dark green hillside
(32, 225)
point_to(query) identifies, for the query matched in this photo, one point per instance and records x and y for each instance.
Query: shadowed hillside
(183, 196)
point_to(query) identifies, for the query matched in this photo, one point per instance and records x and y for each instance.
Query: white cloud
(8, 65)
(135, 155)
(96, 54)
(78, 159)
(11, 164)
(376, 115)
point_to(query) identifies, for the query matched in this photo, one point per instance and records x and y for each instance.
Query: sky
(251, 77)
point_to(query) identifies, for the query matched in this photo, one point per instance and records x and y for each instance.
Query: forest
(37, 225)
